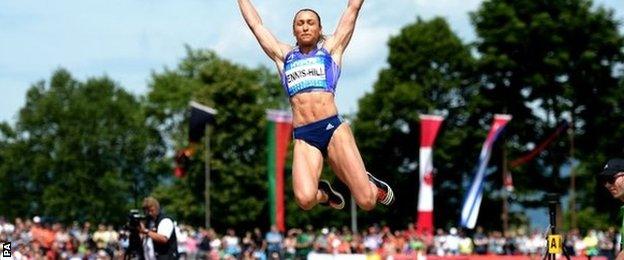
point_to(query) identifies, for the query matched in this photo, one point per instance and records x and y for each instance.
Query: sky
(128, 40)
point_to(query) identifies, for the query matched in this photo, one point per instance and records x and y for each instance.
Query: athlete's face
(307, 28)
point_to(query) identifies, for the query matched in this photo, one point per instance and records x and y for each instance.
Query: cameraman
(160, 229)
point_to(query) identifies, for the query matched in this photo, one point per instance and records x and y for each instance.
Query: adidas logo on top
(329, 126)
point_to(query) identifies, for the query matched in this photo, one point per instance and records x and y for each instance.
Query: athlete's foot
(335, 199)
(385, 195)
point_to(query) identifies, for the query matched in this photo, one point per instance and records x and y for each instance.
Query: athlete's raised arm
(271, 46)
(337, 43)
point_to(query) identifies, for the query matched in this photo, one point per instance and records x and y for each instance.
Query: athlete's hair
(322, 37)
(307, 10)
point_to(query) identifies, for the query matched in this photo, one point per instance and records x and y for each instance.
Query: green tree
(79, 151)
(546, 61)
(431, 71)
(238, 171)
(16, 201)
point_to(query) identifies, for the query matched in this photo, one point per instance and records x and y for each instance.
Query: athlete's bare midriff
(309, 107)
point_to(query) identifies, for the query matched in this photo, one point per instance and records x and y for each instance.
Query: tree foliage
(431, 71)
(540, 61)
(548, 61)
(79, 151)
(237, 141)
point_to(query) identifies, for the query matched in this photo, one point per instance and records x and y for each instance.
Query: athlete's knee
(305, 200)
(306, 204)
(367, 205)
(365, 200)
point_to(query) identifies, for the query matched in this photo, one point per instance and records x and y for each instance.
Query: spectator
(61, 236)
(290, 243)
(215, 245)
(274, 241)
(191, 243)
(100, 237)
(182, 237)
(480, 241)
(260, 243)
(452, 242)
(248, 244)
(497, 242)
(509, 248)
(333, 242)
(321, 245)
(231, 243)
(570, 240)
(357, 244)
(606, 243)
(372, 240)
(304, 243)
(537, 243)
(591, 243)
(465, 244)
(439, 242)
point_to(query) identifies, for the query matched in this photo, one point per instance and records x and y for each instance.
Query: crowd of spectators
(36, 239)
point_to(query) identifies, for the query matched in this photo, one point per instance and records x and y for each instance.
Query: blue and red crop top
(315, 71)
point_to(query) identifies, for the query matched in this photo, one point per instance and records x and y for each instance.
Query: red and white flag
(429, 126)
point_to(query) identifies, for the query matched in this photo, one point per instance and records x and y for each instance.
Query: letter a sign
(554, 244)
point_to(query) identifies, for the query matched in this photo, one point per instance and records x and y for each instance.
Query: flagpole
(572, 207)
(505, 213)
(207, 176)
(200, 124)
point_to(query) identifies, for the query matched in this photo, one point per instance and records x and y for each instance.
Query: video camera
(134, 219)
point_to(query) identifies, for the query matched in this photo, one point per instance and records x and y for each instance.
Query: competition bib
(305, 74)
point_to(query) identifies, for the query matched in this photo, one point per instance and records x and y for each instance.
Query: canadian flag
(429, 126)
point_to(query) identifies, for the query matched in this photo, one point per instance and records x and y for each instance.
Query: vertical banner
(472, 200)
(200, 117)
(279, 134)
(429, 126)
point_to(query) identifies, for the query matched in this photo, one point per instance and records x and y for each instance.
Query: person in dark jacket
(160, 229)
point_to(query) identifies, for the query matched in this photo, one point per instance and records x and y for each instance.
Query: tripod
(135, 248)
(554, 243)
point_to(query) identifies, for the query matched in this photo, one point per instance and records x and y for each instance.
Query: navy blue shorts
(318, 133)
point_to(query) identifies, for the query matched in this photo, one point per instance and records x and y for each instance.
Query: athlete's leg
(307, 167)
(346, 161)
